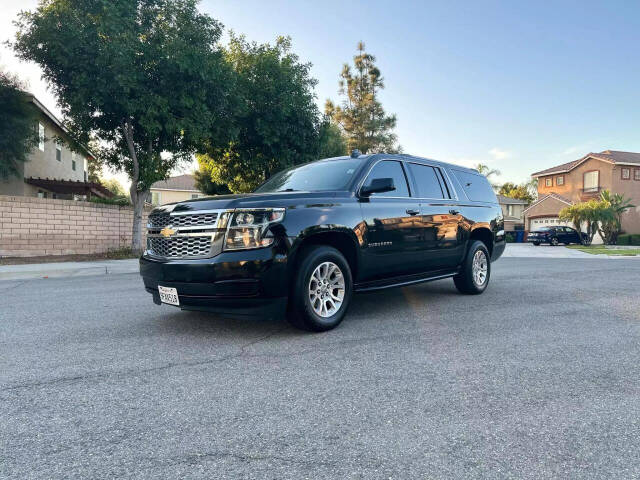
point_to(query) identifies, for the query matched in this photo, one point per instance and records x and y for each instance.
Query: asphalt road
(537, 378)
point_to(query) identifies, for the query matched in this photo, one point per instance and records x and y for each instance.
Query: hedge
(628, 239)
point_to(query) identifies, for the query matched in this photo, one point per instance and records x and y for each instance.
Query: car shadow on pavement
(388, 304)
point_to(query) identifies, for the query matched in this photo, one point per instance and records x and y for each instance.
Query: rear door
(442, 244)
(393, 229)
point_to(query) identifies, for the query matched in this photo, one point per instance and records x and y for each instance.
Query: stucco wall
(610, 179)
(573, 181)
(41, 226)
(43, 164)
(171, 196)
(546, 208)
(630, 189)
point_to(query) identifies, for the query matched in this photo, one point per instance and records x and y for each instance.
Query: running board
(400, 281)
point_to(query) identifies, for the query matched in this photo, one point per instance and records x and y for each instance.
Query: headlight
(247, 228)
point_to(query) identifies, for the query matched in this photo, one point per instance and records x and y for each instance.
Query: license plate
(168, 295)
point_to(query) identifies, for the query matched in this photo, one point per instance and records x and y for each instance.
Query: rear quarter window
(476, 186)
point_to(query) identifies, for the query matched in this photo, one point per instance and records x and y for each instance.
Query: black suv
(313, 235)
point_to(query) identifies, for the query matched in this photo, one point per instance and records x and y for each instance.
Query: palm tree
(613, 205)
(488, 172)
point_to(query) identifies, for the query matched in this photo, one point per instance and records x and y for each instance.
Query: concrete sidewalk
(544, 251)
(68, 269)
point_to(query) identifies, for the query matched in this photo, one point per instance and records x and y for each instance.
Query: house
(53, 170)
(175, 189)
(513, 212)
(582, 180)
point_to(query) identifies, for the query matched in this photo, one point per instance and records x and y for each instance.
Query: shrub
(634, 240)
(510, 237)
(624, 239)
(121, 201)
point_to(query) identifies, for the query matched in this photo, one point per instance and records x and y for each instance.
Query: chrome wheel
(479, 268)
(326, 289)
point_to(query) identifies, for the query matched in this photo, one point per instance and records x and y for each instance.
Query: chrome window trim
(442, 169)
(361, 183)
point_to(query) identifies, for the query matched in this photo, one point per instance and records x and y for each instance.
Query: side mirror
(378, 185)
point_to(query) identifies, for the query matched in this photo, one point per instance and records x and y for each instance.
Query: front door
(393, 227)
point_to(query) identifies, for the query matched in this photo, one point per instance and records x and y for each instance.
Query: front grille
(179, 247)
(161, 220)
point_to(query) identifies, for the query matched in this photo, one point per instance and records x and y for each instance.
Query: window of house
(426, 181)
(636, 174)
(73, 164)
(625, 173)
(390, 169)
(591, 181)
(41, 137)
(548, 182)
(560, 180)
(195, 195)
(58, 153)
(510, 210)
(155, 198)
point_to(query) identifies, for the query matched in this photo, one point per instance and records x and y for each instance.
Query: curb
(68, 269)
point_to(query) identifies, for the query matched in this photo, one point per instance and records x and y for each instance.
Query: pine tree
(361, 116)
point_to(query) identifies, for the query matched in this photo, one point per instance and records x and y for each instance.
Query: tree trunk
(137, 198)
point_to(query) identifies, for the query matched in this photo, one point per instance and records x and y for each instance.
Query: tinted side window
(390, 169)
(427, 181)
(476, 186)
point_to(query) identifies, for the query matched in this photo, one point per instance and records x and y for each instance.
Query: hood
(250, 200)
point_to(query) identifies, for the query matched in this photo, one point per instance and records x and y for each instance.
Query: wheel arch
(342, 239)
(485, 235)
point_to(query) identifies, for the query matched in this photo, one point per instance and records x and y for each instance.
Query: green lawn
(600, 249)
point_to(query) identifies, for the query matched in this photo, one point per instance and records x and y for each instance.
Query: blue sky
(520, 86)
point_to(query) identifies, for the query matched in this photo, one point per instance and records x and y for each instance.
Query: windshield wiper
(288, 190)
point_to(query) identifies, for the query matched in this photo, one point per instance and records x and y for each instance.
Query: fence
(42, 226)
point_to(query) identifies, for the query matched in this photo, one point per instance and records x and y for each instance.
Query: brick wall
(41, 226)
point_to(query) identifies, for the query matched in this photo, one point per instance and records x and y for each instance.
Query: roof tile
(614, 156)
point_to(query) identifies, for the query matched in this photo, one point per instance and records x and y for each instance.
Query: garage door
(536, 223)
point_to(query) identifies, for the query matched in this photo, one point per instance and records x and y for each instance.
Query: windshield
(544, 229)
(314, 177)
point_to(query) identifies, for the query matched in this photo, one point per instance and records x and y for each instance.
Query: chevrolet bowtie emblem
(167, 232)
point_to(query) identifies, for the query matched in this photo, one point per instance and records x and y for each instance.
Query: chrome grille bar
(193, 234)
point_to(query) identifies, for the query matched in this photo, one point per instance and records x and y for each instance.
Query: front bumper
(242, 283)
(537, 239)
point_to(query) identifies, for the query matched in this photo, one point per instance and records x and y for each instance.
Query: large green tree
(145, 79)
(361, 116)
(521, 192)
(277, 123)
(18, 135)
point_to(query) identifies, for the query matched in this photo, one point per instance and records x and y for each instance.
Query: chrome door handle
(412, 212)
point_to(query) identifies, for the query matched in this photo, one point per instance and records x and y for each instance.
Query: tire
(468, 283)
(537, 244)
(554, 242)
(317, 316)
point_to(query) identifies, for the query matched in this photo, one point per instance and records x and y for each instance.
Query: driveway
(544, 251)
(539, 377)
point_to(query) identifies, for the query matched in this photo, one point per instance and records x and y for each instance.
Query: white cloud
(499, 154)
